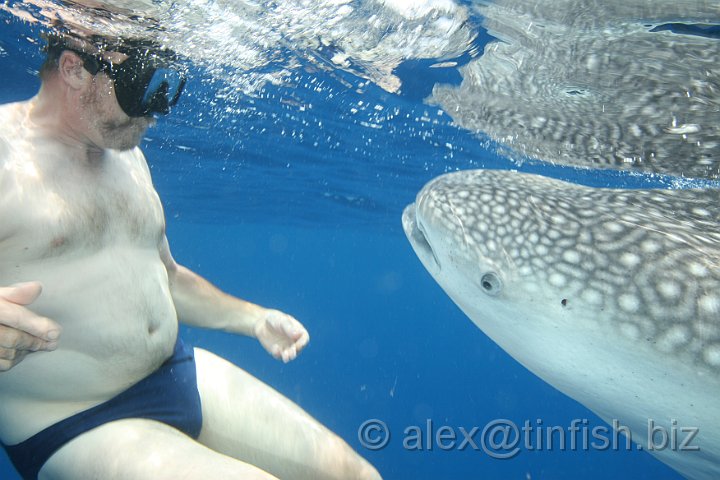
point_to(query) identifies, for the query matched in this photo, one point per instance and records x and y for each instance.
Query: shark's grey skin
(587, 82)
(611, 296)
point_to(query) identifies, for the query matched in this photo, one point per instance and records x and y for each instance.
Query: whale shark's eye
(491, 283)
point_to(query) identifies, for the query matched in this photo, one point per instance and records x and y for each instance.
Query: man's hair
(55, 44)
(51, 63)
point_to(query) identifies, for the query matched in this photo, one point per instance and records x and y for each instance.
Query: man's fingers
(292, 327)
(7, 363)
(289, 354)
(8, 354)
(297, 333)
(299, 336)
(13, 356)
(302, 341)
(293, 331)
(276, 351)
(13, 339)
(21, 293)
(20, 318)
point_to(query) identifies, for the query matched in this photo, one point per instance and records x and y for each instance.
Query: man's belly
(119, 324)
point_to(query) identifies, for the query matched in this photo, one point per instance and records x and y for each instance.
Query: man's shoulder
(12, 121)
(11, 117)
(139, 158)
(13, 108)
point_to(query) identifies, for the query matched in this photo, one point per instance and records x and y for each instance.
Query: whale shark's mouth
(415, 232)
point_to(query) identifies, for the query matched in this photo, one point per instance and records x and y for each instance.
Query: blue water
(299, 209)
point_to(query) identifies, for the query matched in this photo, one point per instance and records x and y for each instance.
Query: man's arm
(21, 330)
(200, 304)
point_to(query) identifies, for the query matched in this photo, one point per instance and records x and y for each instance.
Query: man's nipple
(58, 242)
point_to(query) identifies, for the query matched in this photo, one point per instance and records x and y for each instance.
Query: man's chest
(49, 207)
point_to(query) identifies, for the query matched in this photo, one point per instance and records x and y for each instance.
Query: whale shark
(612, 296)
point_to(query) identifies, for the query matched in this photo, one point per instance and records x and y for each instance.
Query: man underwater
(94, 380)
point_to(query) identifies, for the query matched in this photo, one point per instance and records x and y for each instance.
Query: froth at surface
(248, 44)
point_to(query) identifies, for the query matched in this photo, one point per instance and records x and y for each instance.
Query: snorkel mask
(148, 82)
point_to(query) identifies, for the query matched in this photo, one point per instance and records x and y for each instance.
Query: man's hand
(281, 335)
(21, 330)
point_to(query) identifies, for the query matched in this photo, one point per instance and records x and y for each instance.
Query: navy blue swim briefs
(168, 395)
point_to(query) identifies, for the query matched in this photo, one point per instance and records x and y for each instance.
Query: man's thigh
(246, 419)
(137, 449)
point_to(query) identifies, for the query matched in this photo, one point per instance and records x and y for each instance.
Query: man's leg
(248, 420)
(138, 449)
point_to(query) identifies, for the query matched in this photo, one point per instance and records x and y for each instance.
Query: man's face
(113, 129)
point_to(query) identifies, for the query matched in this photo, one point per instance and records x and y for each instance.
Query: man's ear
(71, 69)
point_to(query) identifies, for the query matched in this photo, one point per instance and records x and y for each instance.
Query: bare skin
(91, 298)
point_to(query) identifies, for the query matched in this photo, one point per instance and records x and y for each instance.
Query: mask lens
(146, 85)
(163, 90)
